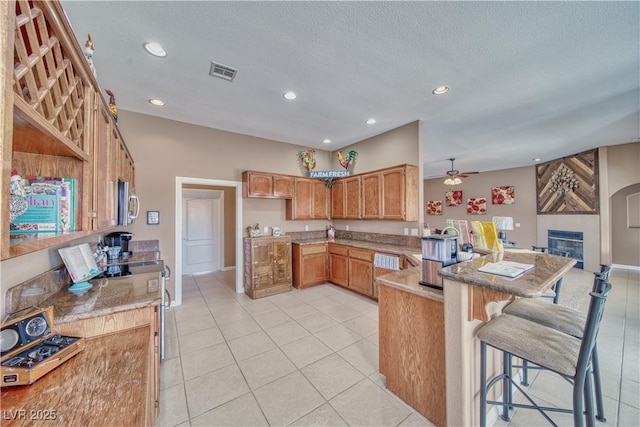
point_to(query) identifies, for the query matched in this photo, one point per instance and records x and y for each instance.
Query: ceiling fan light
(452, 181)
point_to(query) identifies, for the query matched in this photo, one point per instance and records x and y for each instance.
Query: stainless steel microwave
(128, 204)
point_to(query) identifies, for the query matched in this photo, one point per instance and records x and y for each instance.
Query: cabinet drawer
(337, 249)
(362, 254)
(314, 249)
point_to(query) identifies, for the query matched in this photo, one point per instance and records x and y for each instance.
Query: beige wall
(626, 241)
(395, 147)
(523, 211)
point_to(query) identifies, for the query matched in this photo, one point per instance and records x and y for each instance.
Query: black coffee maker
(119, 238)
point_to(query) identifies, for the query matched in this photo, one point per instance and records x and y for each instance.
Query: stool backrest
(605, 269)
(594, 316)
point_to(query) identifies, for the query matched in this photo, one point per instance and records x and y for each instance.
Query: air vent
(222, 71)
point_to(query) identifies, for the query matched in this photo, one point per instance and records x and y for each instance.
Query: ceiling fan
(453, 175)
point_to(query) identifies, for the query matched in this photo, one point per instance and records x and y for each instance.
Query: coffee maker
(119, 239)
(437, 251)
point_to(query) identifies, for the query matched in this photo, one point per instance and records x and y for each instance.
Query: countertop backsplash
(387, 239)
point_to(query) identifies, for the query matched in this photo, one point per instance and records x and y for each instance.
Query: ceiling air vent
(222, 71)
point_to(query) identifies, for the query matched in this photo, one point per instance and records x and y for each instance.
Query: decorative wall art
(308, 159)
(477, 206)
(503, 195)
(569, 185)
(453, 198)
(434, 207)
(346, 159)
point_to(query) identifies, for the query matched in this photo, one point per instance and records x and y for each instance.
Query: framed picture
(434, 207)
(453, 198)
(153, 217)
(503, 195)
(477, 206)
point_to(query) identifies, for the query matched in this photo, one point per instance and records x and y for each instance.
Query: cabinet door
(320, 201)
(371, 202)
(393, 194)
(259, 184)
(339, 269)
(105, 195)
(281, 260)
(352, 192)
(314, 268)
(361, 276)
(337, 199)
(302, 199)
(283, 186)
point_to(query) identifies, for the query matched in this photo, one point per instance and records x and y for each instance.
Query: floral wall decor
(569, 185)
(434, 207)
(477, 206)
(453, 198)
(503, 195)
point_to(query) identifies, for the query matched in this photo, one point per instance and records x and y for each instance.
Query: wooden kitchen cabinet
(310, 264)
(267, 266)
(399, 190)
(352, 198)
(339, 264)
(361, 271)
(49, 107)
(267, 185)
(371, 201)
(310, 200)
(337, 199)
(106, 180)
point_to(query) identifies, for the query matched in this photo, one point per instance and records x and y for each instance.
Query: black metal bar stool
(546, 347)
(565, 320)
(555, 289)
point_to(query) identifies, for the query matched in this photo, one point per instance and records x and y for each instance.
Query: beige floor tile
(265, 368)
(341, 313)
(259, 306)
(629, 416)
(364, 306)
(171, 372)
(366, 404)
(287, 399)
(338, 337)
(215, 388)
(310, 294)
(331, 375)
(271, 319)
(287, 332)
(243, 411)
(325, 415)
(375, 339)
(195, 324)
(630, 393)
(231, 313)
(208, 359)
(416, 420)
(324, 303)
(183, 313)
(199, 340)
(305, 351)
(283, 300)
(316, 321)
(251, 345)
(173, 406)
(362, 325)
(239, 328)
(363, 355)
(300, 310)
(171, 346)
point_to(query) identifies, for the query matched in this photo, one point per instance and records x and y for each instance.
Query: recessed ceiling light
(156, 102)
(537, 159)
(326, 141)
(155, 49)
(440, 90)
(371, 122)
(290, 96)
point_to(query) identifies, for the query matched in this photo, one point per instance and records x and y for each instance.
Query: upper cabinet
(55, 122)
(310, 200)
(267, 185)
(399, 193)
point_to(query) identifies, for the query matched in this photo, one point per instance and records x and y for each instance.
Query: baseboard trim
(233, 267)
(625, 267)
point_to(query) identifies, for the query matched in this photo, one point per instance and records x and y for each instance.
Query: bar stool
(554, 292)
(564, 354)
(565, 320)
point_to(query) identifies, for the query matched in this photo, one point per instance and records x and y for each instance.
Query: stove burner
(40, 352)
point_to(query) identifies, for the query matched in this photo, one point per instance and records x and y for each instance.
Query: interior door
(201, 251)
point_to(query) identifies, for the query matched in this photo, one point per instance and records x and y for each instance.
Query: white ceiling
(528, 79)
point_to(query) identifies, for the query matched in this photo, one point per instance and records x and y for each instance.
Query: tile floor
(310, 357)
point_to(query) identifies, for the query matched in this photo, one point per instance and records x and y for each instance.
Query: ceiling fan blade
(465, 174)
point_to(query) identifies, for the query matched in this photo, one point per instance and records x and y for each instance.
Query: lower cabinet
(361, 271)
(339, 264)
(267, 265)
(310, 264)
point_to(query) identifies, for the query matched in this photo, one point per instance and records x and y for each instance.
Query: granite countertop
(533, 283)
(109, 295)
(407, 280)
(407, 251)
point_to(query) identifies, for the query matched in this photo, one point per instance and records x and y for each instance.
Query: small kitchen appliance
(29, 348)
(437, 251)
(119, 239)
(128, 203)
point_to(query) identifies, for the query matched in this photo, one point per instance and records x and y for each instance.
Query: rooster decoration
(112, 105)
(308, 159)
(88, 53)
(346, 159)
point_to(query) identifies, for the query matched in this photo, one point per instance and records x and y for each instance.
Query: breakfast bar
(428, 351)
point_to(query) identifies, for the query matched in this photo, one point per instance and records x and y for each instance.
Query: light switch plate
(406, 231)
(266, 230)
(414, 231)
(306, 228)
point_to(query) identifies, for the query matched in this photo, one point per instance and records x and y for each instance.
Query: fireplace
(568, 241)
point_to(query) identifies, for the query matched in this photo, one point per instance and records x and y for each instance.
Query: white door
(201, 235)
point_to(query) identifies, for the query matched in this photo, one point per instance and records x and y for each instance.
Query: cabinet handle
(255, 262)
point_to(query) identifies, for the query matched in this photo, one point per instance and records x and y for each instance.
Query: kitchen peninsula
(436, 334)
